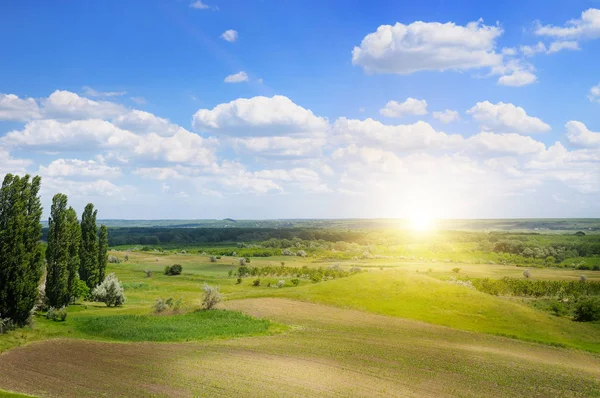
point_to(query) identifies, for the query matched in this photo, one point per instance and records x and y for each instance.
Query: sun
(421, 222)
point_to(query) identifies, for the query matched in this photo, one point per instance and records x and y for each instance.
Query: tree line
(75, 258)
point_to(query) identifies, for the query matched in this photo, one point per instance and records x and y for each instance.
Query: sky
(173, 109)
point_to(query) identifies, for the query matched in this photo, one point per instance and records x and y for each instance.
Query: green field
(399, 327)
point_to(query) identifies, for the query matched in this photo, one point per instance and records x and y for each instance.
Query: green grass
(200, 325)
(9, 394)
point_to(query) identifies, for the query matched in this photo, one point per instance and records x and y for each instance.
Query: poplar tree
(102, 252)
(57, 253)
(74, 231)
(21, 261)
(88, 251)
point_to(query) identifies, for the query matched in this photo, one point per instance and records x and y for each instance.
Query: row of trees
(76, 254)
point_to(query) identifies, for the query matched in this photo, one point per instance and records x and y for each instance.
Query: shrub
(114, 260)
(281, 283)
(456, 270)
(174, 269)
(218, 257)
(301, 253)
(127, 257)
(161, 304)
(57, 315)
(295, 281)
(256, 282)
(213, 259)
(239, 280)
(588, 310)
(109, 292)
(81, 291)
(148, 273)
(355, 269)
(242, 262)
(582, 278)
(527, 274)
(316, 278)
(212, 296)
(287, 252)
(283, 263)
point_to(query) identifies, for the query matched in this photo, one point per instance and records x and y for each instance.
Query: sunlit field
(394, 325)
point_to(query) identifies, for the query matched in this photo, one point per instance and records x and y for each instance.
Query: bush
(109, 292)
(582, 278)
(295, 281)
(316, 278)
(57, 315)
(212, 296)
(256, 282)
(114, 260)
(527, 274)
(242, 262)
(82, 291)
(456, 270)
(127, 257)
(588, 310)
(213, 259)
(174, 269)
(281, 283)
(239, 280)
(161, 304)
(148, 273)
(301, 253)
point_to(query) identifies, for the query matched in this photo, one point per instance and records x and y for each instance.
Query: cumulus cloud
(259, 116)
(563, 45)
(199, 5)
(447, 116)
(18, 109)
(237, 77)
(405, 49)
(8, 164)
(530, 51)
(579, 134)
(230, 35)
(281, 146)
(485, 142)
(369, 132)
(409, 107)
(79, 168)
(65, 104)
(506, 118)
(586, 27)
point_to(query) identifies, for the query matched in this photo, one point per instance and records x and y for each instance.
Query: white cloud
(369, 132)
(199, 5)
(579, 134)
(409, 107)
(14, 108)
(145, 122)
(90, 92)
(587, 27)
(65, 104)
(594, 94)
(530, 51)
(563, 45)
(259, 116)
(518, 78)
(237, 77)
(8, 164)
(447, 116)
(78, 168)
(504, 143)
(405, 49)
(505, 117)
(230, 35)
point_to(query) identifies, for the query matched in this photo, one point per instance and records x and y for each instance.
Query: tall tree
(21, 261)
(88, 252)
(102, 252)
(57, 253)
(74, 243)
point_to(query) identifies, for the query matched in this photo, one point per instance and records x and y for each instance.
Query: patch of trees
(536, 288)
(314, 274)
(75, 256)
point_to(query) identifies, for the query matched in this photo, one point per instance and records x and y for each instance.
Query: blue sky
(271, 109)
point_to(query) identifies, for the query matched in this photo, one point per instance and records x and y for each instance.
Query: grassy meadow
(401, 327)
